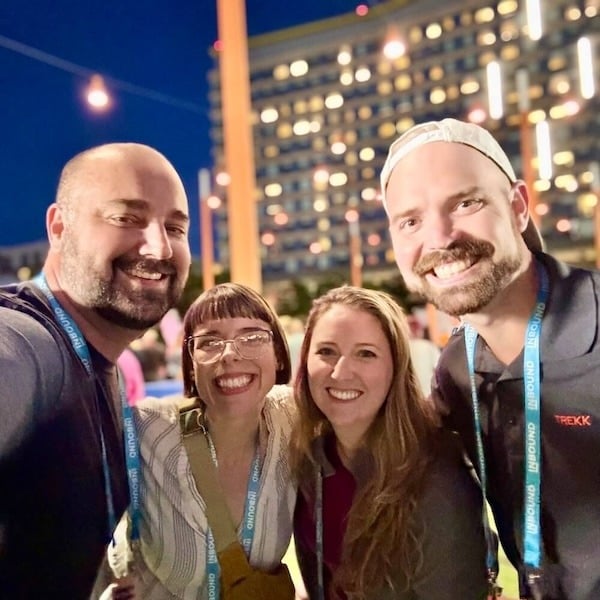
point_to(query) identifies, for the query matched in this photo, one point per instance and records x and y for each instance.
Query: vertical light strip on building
(534, 19)
(586, 68)
(544, 152)
(494, 85)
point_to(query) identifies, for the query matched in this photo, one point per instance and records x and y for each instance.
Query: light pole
(237, 134)
(206, 234)
(525, 137)
(356, 259)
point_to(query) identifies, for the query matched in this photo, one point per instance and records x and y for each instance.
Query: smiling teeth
(144, 274)
(230, 383)
(448, 270)
(344, 394)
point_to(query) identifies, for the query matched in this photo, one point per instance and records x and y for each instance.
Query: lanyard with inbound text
(132, 458)
(532, 545)
(247, 537)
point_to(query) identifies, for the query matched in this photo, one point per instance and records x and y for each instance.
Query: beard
(114, 302)
(468, 297)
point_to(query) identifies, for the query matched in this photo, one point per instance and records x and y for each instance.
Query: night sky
(161, 48)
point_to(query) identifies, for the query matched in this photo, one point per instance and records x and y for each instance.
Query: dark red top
(338, 494)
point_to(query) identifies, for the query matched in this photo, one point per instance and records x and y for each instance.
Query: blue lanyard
(132, 455)
(532, 545)
(247, 536)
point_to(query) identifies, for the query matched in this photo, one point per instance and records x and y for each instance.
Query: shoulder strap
(205, 476)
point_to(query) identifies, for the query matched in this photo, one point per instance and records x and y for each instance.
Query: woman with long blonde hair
(386, 509)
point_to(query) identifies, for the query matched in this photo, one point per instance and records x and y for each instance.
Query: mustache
(463, 249)
(164, 267)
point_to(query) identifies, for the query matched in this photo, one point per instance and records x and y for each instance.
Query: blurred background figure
(294, 332)
(424, 353)
(131, 369)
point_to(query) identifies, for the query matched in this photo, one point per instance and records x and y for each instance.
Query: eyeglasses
(208, 348)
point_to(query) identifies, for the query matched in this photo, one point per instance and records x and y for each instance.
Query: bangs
(227, 303)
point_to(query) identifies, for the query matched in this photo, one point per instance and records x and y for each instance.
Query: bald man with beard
(118, 261)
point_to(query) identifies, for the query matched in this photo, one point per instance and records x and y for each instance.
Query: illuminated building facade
(329, 97)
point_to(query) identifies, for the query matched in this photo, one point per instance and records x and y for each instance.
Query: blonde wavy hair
(381, 535)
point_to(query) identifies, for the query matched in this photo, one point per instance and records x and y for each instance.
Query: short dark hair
(232, 300)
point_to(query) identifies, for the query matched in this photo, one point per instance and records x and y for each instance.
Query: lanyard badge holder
(532, 543)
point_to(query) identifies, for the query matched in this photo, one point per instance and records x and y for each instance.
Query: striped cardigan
(171, 559)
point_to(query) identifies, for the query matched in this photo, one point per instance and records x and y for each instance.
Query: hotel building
(329, 97)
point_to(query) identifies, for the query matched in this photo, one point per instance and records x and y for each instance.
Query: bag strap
(195, 442)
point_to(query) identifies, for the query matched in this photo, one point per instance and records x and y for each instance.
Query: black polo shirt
(570, 421)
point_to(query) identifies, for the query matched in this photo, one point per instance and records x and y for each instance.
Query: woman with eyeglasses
(235, 358)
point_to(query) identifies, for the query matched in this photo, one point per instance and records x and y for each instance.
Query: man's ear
(55, 225)
(519, 204)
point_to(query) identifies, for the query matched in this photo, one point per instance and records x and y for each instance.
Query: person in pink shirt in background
(131, 369)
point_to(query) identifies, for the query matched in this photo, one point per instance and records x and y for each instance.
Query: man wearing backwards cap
(464, 239)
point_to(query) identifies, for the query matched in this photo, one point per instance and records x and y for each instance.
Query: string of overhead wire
(71, 67)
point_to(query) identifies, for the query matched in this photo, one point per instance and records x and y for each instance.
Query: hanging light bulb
(97, 94)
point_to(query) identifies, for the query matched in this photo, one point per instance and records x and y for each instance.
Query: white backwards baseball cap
(459, 132)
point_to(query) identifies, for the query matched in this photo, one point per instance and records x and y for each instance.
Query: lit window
(402, 62)
(394, 49)
(365, 112)
(470, 85)
(402, 82)
(338, 148)
(436, 73)
(386, 130)
(316, 103)
(572, 13)
(362, 74)
(351, 158)
(385, 88)
(433, 31)
(334, 100)
(507, 7)
(269, 115)
(301, 127)
(484, 15)
(510, 52)
(564, 158)
(367, 173)
(557, 62)
(350, 137)
(437, 95)
(284, 131)
(273, 209)
(281, 72)
(272, 190)
(346, 77)
(320, 204)
(509, 30)
(368, 194)
(271, 151)
(298, 68)
(486, 38)
(345, 56)
(314, 126)
(486, 58)
(338, 179)
(281, 218)
(466, 18)
(323, 224)
(453, 92)
(300, 107)
(318, 143)
(415, 35)
(404, 124)
(366, 154)
(559, 84)
(448, 23)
